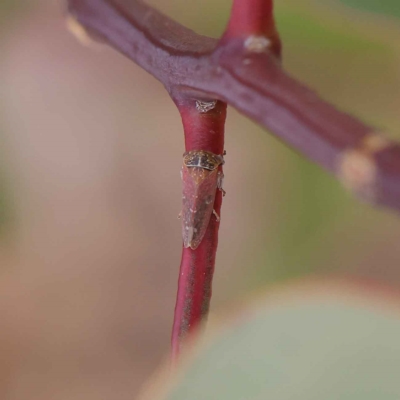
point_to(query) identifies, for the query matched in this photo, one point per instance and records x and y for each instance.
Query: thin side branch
(250, 17)
(253, 82)
(253, 20)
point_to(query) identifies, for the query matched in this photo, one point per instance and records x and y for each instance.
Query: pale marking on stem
(358, 170)
(190, 234)
(78, 31)
(257, 44)
(374, 143)
(205, 106)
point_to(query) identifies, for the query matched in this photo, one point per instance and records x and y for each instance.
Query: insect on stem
(201, 179)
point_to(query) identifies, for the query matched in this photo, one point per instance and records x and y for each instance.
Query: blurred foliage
(389, 7)
(7, 8)
(302, 346)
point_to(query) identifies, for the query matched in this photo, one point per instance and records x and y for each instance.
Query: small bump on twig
(205, 106)
(358, 171)
(257, 44)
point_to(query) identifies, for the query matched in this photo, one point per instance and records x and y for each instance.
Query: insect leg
(216, 215)
(220, 182)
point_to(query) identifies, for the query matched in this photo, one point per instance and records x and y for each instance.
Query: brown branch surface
(249, 78)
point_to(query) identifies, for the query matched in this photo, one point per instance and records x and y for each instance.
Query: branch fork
(242, 69)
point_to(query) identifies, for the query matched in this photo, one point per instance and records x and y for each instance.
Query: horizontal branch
(248, 76)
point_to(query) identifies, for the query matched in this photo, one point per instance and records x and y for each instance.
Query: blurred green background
(388, 7)
(89, 241)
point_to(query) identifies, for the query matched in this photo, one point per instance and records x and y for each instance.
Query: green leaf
(330, 344)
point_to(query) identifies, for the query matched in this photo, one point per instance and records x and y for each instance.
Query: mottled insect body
(201, 179)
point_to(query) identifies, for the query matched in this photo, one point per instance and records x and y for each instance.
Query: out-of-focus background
(90, 151)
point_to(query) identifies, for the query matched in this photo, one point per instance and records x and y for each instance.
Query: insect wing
(199, 190)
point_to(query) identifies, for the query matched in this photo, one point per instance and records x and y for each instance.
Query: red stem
(253, 17)
(202, 132)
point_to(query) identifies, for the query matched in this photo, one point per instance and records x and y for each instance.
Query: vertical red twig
(203, 131)
(251, 21)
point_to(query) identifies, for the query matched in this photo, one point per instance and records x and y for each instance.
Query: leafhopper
(201, 179)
